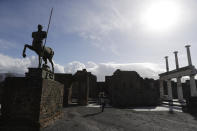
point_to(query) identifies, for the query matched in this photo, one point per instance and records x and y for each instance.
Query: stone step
(174, 104)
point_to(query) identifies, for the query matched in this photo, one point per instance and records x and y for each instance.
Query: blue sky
(86, 33)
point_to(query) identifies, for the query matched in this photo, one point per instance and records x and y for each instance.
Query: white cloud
(101, 70)
(14, 65)
(58, 68)
(72, 67)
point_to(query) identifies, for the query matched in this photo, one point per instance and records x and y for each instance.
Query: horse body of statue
(37, 46)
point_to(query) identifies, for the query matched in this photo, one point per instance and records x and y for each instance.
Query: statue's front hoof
(24, 55)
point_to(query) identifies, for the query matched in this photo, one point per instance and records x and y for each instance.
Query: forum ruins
(178, 73)
(35, 101)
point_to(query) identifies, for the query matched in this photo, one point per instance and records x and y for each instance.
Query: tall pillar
(176, 59)
(179, 85)
(179, 89)
(170, 95)
(169, 89)
(167, 66)
(161, 89)
(188, 55)
(193, 86)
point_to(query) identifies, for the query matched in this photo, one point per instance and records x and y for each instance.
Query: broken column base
(32, 102)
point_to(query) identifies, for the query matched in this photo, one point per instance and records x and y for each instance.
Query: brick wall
(31, 103)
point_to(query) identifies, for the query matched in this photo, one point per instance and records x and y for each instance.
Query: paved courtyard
(139, 119)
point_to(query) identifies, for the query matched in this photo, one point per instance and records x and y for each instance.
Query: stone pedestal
(31, 102)
(39, 73)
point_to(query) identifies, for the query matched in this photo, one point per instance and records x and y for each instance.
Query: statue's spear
(47, 33)
(48, 27)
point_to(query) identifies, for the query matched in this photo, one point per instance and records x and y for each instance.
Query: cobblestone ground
(91, 119)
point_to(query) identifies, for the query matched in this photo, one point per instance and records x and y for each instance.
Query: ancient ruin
(31, 102)
(128, 89)
(178, 73)
(66, 80)
(37, 100)
(84, 87)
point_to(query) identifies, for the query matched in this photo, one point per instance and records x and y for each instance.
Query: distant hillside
(4, 75)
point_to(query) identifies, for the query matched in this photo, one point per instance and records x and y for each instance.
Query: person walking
(103, 102)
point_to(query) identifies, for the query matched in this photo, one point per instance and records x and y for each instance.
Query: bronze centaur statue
(37, 46)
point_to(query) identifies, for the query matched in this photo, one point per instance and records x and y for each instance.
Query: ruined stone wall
(83, 93)
(186, 90)
(1, 92)
(65, 79)
(80, 87)
(30, 103)
(102, 87)
(75, 89)
(127, 88)
(93, 88)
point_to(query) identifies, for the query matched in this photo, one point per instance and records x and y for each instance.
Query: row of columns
(179, 85)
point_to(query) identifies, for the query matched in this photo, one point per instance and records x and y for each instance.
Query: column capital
(187, 46)
(175, 52)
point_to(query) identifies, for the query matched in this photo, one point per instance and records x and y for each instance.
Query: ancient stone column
(167, 66)
(179, 89)
(188, 55)
(170, 95)
(161, 89)
(176, 59)
(169, 89)
(193, 86)
(179, 85)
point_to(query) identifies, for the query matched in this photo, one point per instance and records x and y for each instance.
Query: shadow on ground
(93, 114)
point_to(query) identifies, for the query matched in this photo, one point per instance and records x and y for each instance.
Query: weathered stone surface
(31, 102)
(127, 88)
(80, 87)
(1, 91)
(40, 73)
(102, 87)
(93, 88)
(51, 102)
(66, 80)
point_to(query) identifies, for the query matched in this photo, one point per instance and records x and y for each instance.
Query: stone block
(31, 103)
